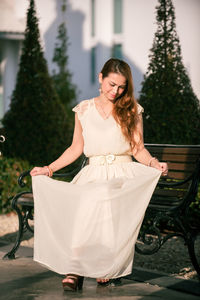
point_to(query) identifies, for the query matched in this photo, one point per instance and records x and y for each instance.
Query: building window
(117, 16)
(93, 65)
(117, 51)
(93, 17)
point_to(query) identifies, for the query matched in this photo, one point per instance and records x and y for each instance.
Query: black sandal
(111, 282)
(77, 283)
(116, 282)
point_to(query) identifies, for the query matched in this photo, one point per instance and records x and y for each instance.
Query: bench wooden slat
(178, 175)
(26, 199)
(171, 193)
(174, 150)
(184, 186)
(176, 157)
(166, 202)
(181, 167)
(161, 207)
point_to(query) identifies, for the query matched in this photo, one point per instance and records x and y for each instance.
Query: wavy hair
(125, 109)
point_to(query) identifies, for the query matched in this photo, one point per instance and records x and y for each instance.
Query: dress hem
(80, 274)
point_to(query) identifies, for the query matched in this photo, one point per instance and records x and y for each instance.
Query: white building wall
(188, 28)
(139, 26)
(11, 53)
(139, 31)
(9, 65)
(79, 29)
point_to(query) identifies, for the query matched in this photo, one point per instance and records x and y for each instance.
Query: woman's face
(113, 85)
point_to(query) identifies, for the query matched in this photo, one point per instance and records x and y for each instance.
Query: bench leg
(191, 249)
(11, 253)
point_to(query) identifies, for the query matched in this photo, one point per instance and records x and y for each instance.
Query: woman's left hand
(163, 168)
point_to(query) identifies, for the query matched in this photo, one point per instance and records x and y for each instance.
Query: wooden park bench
(168, 213)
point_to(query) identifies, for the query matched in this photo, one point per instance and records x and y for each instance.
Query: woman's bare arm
(73, 152)
(142, 155)
(69, 155)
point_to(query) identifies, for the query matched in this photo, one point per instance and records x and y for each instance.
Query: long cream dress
(89, 226)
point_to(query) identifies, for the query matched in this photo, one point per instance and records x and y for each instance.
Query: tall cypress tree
(172, 113)
(36, 126)
(62, 77)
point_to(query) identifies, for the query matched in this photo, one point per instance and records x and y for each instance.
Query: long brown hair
(125, 106)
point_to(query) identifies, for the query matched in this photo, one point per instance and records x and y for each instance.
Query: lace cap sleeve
(81, 108)
(140, 109)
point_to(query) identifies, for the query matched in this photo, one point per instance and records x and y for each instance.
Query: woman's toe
(68, 280)
(102, 280)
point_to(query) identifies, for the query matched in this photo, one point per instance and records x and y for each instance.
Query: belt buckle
(110, 158)
(106, 159)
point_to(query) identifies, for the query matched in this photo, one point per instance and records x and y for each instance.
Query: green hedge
(10, 169)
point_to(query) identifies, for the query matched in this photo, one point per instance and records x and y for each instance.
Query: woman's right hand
(39, 171)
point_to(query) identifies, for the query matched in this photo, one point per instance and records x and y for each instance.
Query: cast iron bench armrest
(67, 174)
(74, 171)
(27, 173)
(21, 178)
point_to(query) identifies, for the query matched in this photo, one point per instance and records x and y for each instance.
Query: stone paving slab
(24, 279)
(166, 281)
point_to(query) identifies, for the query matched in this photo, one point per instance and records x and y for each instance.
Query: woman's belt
(109, 159)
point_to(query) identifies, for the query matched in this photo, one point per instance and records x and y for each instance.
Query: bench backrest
(183, 162)
(181, 159)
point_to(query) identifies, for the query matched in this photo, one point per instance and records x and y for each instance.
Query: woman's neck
(104, 101)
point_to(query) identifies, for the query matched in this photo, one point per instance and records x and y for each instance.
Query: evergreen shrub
(10, 169)
(36, 125)
(62, 77)
(172, 113)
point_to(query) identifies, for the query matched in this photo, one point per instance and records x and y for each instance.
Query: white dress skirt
(89, 226)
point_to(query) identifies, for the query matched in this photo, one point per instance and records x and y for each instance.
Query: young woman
(89, 227)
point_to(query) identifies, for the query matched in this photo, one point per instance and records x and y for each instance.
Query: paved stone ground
(23, 279)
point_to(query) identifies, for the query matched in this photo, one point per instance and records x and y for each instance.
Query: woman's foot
(72, 282)
(103, 281)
